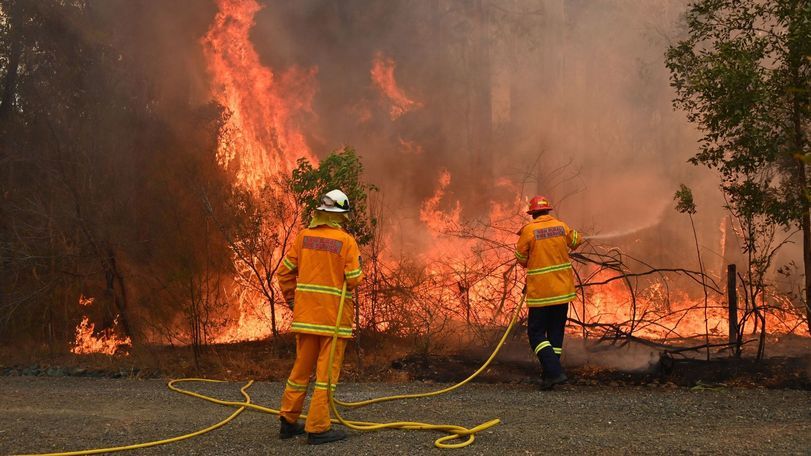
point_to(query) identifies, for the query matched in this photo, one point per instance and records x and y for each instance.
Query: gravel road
(51, 414)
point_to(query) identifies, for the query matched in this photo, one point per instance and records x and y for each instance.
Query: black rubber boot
(332, 435)
(549, 383)
(289, 430)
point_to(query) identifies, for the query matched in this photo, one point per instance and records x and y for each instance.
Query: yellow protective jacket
(543, 248)
(312, 274)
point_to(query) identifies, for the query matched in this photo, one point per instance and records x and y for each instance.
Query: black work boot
(288, 430)
(549, 383)
(331, 435)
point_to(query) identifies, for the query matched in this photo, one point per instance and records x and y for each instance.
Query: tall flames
(467, 270)
(262, 137)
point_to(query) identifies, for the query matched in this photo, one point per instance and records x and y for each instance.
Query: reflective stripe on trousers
(545, 327)
(312, 353)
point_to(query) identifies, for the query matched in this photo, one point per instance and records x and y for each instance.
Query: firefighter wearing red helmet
(543, 248)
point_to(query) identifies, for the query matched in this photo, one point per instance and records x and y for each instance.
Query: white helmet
(334, 201)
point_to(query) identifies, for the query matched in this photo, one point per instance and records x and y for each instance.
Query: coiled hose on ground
(454, 432)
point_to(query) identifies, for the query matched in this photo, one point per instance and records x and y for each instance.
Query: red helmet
(539, 203)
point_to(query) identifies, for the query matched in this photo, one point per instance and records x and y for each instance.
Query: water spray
(626, 232)
(615, 233)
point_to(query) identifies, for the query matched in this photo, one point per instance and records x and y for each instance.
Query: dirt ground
(41, 414)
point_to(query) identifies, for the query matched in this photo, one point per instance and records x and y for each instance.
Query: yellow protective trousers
(312, 352)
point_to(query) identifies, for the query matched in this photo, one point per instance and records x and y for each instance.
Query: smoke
(565, 98)
(655, 220)
(578, 353)
(469, 104)
(629, 357)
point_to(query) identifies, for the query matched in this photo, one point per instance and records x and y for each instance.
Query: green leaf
(341, 170)
(684, 200)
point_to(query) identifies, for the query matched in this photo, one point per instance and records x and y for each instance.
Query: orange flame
(382, 73)
(108, 342)
(655, 312)
(668, 314)
(430, 214)
(261, 138)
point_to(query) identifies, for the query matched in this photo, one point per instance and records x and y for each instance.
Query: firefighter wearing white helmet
(313, 272)
(334, 201)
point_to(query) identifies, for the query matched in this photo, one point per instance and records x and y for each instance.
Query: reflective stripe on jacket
(313, 272)
(543, 248)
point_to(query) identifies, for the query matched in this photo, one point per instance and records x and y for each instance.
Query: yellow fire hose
(454, 432)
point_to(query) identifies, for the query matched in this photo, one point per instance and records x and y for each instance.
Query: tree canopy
(743, 76)
(341, 170)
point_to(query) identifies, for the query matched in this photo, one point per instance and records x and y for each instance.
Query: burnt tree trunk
(799, 143)
(194, 323)
(273, 328)
(732, 295)
(115, 285)
(805, 223)
(15, 52)
(479, 109)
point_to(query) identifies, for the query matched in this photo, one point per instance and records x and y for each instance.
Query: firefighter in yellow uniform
(322, 257)
(543, 248)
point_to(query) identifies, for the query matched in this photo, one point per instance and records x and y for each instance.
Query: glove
(290, 303)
